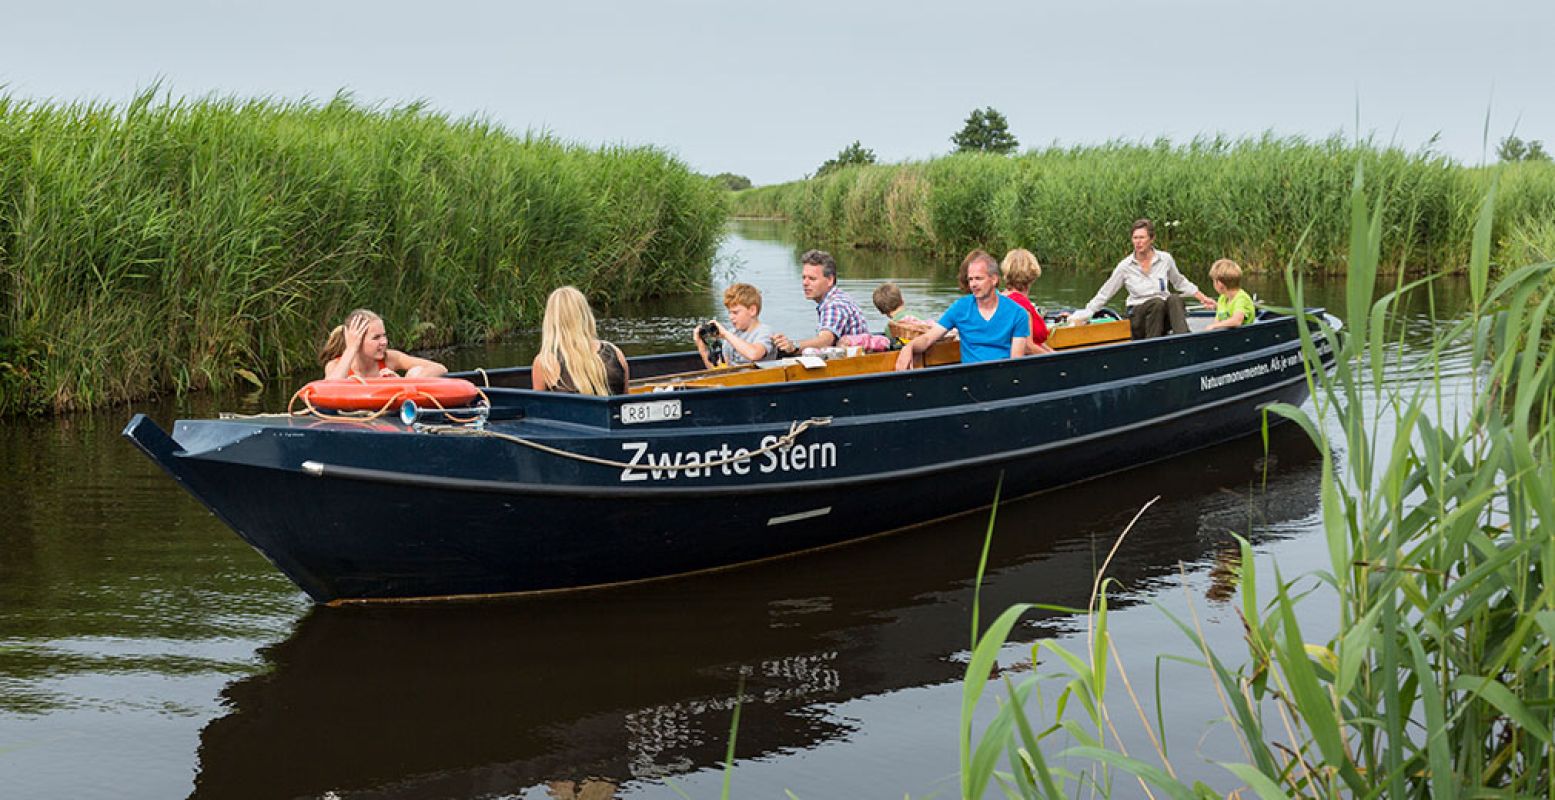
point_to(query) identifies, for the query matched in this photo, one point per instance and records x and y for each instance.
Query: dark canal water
(146, 652)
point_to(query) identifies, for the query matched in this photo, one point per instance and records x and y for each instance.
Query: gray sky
(771, 90)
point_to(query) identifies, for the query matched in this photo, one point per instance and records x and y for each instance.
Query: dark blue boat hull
(353, 512)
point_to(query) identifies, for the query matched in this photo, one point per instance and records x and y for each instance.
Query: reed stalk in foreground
(1441, 679)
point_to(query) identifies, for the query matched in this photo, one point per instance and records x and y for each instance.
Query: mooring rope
(795, 429)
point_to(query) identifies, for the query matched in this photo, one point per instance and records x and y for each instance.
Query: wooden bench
(1066, 337)
(946, 351)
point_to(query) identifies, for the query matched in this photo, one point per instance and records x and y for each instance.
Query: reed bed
(170, 245)
(1265, 202)
(1440, 680)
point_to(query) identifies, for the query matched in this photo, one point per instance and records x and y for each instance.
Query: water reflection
(581, 694)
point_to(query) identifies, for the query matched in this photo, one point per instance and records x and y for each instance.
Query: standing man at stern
(992, 325)
(839, 315)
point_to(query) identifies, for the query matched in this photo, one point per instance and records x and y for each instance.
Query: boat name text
(725, 460)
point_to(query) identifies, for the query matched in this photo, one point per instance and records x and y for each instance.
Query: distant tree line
(731, 181)
(1515, 149)
(985, 131)
(853, 155)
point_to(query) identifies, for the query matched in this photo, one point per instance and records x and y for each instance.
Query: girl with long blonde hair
(359, 347)
(572, 357)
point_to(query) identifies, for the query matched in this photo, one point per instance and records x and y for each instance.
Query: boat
(697, 470)
(529, 693)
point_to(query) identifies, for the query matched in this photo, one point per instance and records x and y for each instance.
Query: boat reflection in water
(580, 693)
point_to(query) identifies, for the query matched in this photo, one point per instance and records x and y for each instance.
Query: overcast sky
(771, 90)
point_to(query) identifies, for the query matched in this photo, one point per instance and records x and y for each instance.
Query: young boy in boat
(359, 347)
(902, 325)
(751, 339)
(1234, 307)
(992, 326)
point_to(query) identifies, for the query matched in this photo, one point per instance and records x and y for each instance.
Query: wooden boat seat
(1065, 337)
(1059, 338)
(947, 351)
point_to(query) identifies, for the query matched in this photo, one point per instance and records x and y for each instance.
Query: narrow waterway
(146, 652)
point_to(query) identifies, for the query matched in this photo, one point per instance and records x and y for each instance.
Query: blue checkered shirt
(840, 315)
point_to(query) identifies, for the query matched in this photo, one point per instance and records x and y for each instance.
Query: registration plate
(650, 411)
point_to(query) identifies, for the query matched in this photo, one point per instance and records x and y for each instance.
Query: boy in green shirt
(1233, 307)
(901, 325)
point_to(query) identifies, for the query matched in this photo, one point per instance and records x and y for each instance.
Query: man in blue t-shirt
(992, 326)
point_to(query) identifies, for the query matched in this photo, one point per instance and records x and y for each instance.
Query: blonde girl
(359, 347)
(572, 357)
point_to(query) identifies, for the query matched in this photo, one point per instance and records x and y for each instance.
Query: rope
(795, 429)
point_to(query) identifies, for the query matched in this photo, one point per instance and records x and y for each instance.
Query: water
(146, 652)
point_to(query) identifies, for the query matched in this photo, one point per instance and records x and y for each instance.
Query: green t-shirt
(1243, 302)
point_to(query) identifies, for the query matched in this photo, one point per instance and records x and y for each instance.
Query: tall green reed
(1253, 200)
(1440, 680)
(172, 244)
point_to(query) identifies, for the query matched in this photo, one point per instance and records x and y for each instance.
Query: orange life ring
(376, 394)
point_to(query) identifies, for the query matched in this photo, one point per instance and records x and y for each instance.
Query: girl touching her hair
(359, 347)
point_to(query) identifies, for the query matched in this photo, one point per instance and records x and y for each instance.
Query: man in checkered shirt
(839, 315)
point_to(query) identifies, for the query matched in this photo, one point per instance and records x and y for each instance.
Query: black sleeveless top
(615, 374)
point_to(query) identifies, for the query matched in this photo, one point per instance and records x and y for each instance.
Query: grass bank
(1440, 678)
(1265, 202)
(168, 245)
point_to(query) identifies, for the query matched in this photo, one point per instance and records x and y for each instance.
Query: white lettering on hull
(1275, 364)
(646, 465)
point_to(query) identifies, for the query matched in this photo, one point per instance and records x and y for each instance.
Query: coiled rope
(795, 430)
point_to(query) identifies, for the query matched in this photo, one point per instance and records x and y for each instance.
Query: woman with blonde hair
(359, 348)
(572, 357)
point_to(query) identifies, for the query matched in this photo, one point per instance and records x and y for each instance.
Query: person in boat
(572, 356)
(751, 339)
(1149, 275)
(359, 348)
(901, 324)
(1234, 307)
(991, 325)
(1020, 270)
(838, 315)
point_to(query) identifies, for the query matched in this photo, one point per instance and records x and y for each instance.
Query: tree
(731, 181)
(986, 131)
(853, 155)
(1515, 149)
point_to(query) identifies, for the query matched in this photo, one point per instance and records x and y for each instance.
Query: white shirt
(1141, 285)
